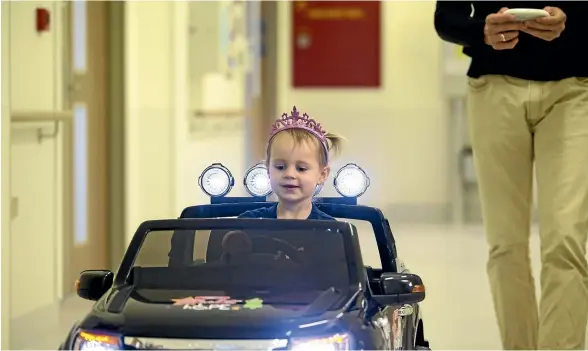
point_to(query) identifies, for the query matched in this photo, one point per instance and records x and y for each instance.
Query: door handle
(13, 207)
(74, 87)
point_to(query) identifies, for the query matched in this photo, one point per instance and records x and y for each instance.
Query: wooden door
(87, 240)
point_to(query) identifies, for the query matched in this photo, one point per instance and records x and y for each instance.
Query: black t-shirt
(272, 212)
(532, 58)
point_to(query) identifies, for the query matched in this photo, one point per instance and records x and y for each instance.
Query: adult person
(528, 103)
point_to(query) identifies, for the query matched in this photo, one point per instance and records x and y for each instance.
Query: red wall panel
(336, 44)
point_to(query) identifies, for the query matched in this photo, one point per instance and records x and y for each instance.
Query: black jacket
(462, 23)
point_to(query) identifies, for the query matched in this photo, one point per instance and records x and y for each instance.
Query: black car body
(335, 301)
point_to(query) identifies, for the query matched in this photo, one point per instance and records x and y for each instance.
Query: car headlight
(216, 180)
(351, 181)
(257, 181)
(337, 342)
(97, 341)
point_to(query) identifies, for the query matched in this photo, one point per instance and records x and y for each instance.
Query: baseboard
(39, 322)
(48, 324)
(418, 213)
(436, 214)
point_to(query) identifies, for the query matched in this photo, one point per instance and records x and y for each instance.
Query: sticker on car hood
(220, 303)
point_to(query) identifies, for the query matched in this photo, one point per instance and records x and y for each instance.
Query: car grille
(141, 343)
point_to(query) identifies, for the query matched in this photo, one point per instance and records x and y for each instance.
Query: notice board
(336, 44)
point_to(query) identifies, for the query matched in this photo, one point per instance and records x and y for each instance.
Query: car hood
(187, 318)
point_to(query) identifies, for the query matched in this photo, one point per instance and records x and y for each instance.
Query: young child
(297, 161)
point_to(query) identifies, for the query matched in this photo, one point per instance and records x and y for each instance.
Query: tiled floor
(451, 260)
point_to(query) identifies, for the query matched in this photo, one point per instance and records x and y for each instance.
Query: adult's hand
(547, 28)
(502, 30)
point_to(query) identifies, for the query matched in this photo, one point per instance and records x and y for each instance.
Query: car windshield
(280, 264)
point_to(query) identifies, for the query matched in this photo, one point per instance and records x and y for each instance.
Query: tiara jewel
(304, 122)
(294, 120)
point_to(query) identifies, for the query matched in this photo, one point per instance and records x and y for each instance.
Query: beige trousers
(513, 123)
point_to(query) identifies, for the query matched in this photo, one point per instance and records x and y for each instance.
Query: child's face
(294, 168)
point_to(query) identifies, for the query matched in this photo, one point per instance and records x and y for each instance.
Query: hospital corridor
(113, 110)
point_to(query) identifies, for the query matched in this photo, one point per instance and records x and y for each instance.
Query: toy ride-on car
(210, 281)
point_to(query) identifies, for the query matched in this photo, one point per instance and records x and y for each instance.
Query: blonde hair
(334, 143)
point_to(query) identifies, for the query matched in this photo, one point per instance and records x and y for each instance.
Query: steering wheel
(282, 248)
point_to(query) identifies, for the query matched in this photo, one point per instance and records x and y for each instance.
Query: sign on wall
(336, 44)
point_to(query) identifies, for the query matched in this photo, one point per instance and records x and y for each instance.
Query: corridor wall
(154, 109)
(398, 132)
(5, 138)
(164, 150)
(404, 145)
(31, 169)
(34, 62)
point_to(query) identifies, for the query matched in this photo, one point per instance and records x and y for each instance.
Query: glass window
(80, 174)
(79, 36)
(289, 267)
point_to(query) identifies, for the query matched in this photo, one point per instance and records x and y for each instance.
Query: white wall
(211, 139)
(397, 133)
(5, 130)
(166, 148)
(35, 66)
(404, 147)
(150, 114)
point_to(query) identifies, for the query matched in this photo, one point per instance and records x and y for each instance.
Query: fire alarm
(43, 19)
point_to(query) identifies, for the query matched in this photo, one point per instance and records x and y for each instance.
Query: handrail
(41, 116)
(219, 113)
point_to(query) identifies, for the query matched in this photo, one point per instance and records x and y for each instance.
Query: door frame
(94, 253)
(263, 116)
(116, 131)
(5, 185)
(264, 107)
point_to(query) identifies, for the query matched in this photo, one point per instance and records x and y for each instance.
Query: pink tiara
(304, 122)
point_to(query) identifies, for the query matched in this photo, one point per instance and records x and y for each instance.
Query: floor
(451, 260)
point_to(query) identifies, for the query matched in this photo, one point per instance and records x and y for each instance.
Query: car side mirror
(92, 284)
(400, 289)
